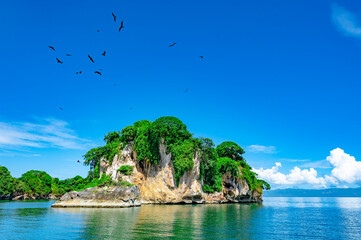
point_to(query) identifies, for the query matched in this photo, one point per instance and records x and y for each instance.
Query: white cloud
(345, 167)
(317, 164)
(345, 170)
(46, 133)
(296, 176)
(346, 21)
(294, 160)
(260, 148)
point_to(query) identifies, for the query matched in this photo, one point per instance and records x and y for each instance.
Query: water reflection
(276, 218)
(348, 202)
(350, 220)
(107, 223)
(162, 221)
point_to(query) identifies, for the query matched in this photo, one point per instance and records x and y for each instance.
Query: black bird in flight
(78, 72)
(69, 55)
(172, 45)
(90, 58)
(57, 59)
(186, 90)
(97, 72)
(201, 56)
(121, 26)
(104, 53)
(51, 48)
(60, 108)
(78, 161)
(98, 30)
(115, 17)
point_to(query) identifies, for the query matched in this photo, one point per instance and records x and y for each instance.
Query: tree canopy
(7, 182)
(231, 150)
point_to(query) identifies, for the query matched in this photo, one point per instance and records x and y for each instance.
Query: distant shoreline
(328, 192)
(24, 197)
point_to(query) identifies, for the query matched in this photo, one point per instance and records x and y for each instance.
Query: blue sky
(280, 78)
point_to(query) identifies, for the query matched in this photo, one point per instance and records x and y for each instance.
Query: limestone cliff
(157, 184)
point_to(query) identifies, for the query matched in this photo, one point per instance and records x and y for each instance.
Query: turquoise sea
(275, 218)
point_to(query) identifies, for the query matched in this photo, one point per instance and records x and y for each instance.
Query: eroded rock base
(101, 197)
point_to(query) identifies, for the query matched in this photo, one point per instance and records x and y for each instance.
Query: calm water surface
(276, 218)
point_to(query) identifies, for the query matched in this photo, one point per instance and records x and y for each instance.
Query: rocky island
(161, 162)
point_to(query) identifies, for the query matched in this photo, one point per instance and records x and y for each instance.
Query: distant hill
(329, 192)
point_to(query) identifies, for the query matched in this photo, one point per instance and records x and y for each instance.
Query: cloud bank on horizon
(346, 170)
(346, 21)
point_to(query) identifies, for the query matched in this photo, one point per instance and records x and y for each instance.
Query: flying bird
(69, 55)
(115, 84)
(90, 58)
(104, 53)
(60, 108)
(57, 59)
(78, 72)
(131, 108)
(98, 30)
(51, 48)
(115, 17)
(201, 56)
(78, 161)
(97, 72)
(172, 45)
(186, 90)
(121, 26)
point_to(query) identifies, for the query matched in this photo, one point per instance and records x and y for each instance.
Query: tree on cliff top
(231, 150)
(112, 147)
(171, 129)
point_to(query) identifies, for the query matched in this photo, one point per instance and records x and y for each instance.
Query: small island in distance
(149, 162)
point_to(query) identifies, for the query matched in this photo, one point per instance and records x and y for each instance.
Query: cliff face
(157, 183)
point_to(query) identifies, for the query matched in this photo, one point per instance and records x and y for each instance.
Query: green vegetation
(36, 183)
(7, 182)
(40, 184)
(182, 155)
(230, 150)
(126, 169)
(111, 148)
(145, 138)
(226, 158)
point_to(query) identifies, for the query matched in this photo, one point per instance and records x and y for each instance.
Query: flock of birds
(103, 54)
(90, 58)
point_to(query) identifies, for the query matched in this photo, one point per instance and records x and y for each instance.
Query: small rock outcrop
(102, 197)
